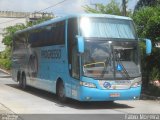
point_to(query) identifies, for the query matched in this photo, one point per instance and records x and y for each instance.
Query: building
(11, 18)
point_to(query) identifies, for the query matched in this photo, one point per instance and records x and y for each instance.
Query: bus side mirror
(80, 42)
(148, 46)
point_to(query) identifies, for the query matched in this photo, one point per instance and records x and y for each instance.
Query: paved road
(34, 101)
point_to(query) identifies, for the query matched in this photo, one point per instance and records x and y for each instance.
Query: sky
(67, 7)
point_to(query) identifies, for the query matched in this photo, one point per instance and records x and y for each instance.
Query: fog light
(88, 98)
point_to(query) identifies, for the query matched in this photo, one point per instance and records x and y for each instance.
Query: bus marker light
(119, 67)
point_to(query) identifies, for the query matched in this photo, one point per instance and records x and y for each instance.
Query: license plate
(114, 95)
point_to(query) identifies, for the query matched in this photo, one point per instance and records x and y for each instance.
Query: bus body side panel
(49, 65)
(19, 57)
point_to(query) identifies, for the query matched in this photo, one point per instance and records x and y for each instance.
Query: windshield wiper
(107, 62)
(123, 72)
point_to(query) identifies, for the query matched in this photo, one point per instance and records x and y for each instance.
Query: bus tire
(61, 92)
(18, 76)
(20, 81)
(23, 81)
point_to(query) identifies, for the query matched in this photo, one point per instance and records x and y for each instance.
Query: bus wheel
(23, 81)
(61, 92)
(20, 81)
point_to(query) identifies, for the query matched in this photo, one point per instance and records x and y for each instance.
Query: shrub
(5, 64)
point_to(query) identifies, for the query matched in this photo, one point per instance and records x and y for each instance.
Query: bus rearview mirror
(80, 42)
(148, 46)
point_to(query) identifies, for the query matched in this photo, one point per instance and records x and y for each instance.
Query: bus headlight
(136, 84)
(88, 84)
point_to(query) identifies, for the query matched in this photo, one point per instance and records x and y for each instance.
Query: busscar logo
(51, 54)
(107, 85)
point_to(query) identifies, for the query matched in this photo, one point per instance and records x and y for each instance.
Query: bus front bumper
(94, 94)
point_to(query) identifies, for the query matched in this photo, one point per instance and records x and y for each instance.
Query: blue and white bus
(87, 57)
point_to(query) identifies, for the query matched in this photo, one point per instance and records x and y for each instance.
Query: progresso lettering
(51, 54)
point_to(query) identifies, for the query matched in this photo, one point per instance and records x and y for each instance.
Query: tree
(5, 55)
(147, 22)
(145, 3)
(111, 8)
(38, 21)
(148, 26)
(9, 31)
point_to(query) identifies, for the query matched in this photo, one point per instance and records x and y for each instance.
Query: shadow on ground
(71, 103)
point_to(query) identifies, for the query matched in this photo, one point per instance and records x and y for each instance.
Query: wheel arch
(59, 80)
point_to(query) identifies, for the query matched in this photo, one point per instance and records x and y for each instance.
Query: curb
(4, 71)
(7, 114)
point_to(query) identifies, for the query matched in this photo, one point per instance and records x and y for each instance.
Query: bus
(86, 57)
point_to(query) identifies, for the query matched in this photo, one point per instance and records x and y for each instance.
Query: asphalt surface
(35, 103)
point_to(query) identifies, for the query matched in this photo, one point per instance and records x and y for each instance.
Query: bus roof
(72, 16)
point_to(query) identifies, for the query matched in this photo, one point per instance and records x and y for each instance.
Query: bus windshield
(111, 60)
(107, 28)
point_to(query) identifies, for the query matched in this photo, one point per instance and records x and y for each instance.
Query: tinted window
(72, 47)
(107, 28)
(53, 34)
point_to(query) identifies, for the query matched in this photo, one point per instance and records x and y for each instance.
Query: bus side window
(72, 49)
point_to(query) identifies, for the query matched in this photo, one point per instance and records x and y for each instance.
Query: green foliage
(5, 64)
(155, 74)
(111, 8)
(29, 24)
(6, 53)
(9, 31)
(145, 3)
(147, 20)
